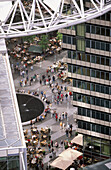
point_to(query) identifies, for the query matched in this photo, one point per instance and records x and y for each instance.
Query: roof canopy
(78, 139)
(70, 154)
(61, 163)
(35, 49)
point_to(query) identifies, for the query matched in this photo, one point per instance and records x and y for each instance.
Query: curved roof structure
(11, 134)
(42, 16)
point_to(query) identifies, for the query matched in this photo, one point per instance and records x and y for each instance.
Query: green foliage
(29, 39)
(59, 36)
(44, 42)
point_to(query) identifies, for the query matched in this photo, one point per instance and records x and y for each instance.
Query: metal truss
(49, 15)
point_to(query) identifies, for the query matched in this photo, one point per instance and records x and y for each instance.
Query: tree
(59, 36)
(44, 42)
(29, 39)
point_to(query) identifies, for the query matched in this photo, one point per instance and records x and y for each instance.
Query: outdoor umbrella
(70, 154)
(61, 163)
(78, 139)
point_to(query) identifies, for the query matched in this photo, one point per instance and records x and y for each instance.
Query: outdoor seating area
(36, 142)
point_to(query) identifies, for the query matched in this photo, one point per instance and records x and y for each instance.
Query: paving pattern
(57, 134)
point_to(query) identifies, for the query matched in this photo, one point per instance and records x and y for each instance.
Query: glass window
(81, 29)
(69, 68)
(92, 73)
(93, 29)
(106, 102)
(97, 88)
(88, 28)
(97, 74)
(103, 31)
(97, 30)
(102, 61)
(87, 71)
(107, 61)
(93, 127)
(92, 44)
(102, 116)
(79, 56)
(93, 114)
(97, 45)
(97, 101)
(92, 87)
(88, 43)
(73, 40)
(84, 125)
(97, 60)
(108, 32)
(103, 47)
(102, 75)
(84, 85)
(81, 45)
(74, 83)
(88, 112)
(102, 103)
(69, 40)
(74, 96)
(83, 57)
(74, 69)
(74, 55)
(102, 89)
(79, 97)
(93, 100)
(88, 86)
(84, 112)
(88, 126)
(93, 59)
(107, 76)
(98, 129)
(64, 38)
(69, 54)
(107, 47)
(107, 90)
(88, 58)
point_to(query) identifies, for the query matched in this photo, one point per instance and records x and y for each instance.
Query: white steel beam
(55, 19)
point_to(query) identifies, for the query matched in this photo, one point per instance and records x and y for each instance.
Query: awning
(78, 139)
(70, 154)
(61, 163)
(35, 49)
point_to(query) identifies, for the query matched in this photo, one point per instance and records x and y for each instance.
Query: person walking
(67, 132)
(61, 125)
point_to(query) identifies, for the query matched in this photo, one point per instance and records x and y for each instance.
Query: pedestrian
(31, 67)
(67, 132)
(66, 115)
(51, 143)
(66, 95)
(49, 147)
(61, 125)
(40, 81)
(71, 126)
(56, 117)
(27, 71)
(70, 93)
(62, 115)
(70, 132)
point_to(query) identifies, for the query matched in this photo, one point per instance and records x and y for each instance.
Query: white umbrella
(78, 139)
(70, 154)
(61, 163)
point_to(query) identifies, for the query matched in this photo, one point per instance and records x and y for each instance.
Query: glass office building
(88, 48)
(13, 155)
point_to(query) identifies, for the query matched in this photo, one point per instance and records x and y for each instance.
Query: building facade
(88, 48)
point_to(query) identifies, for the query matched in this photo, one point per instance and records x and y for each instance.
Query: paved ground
(56, 133)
